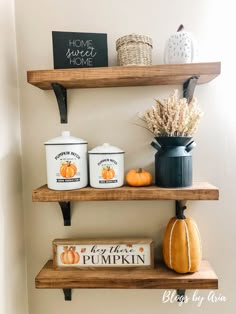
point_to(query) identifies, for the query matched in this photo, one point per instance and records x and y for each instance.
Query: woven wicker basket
(134, 50)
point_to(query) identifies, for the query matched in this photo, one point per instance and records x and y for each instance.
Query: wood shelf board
(158, 278)
(120, 76)
(198, 191)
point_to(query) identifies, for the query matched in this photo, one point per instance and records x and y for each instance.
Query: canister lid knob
(106, 148)
(65, 133)
(65, 138)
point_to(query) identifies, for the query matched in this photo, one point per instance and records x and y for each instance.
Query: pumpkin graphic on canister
(68, 170)
(182, 245)
(108, 173)
(69, 256)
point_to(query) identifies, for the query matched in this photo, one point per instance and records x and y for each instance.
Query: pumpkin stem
(180, 28)
(139, 170)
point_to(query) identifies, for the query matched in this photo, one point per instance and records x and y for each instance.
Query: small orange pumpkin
(68, 170)
(70, 256)
(182, 245)
(138, 177)
(108, 173)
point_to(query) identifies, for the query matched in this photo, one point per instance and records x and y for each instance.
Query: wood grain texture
(198, 191)
(158, 278)
(120, 76)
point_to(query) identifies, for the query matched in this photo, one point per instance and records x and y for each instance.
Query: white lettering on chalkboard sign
(79, 50)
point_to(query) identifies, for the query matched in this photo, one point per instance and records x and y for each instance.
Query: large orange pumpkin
(108, 173)
(70, 256)
(182, 245)
(68, 170)
(138, 177)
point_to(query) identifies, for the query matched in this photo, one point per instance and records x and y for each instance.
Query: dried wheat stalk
(173, 116)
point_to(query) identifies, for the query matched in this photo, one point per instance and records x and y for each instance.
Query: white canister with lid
(106, 166)
(67, 167)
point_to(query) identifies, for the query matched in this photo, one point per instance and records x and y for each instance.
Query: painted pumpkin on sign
(70, 256)
(182, 245)
(180, 48)
(138, 177)
(68, 170)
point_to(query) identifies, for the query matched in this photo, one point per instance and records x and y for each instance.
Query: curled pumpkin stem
(180, 28)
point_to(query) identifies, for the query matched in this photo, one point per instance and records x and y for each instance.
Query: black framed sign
(79, 50)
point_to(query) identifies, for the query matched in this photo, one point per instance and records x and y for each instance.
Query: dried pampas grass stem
(173, 116)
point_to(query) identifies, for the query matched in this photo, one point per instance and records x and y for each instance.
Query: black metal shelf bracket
(180, 295)
(180, 206)
(65, 209)
(61, 95)
(67, 294)
(189, 87)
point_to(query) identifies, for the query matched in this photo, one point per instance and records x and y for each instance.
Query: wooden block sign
(121, 253)
(79, 50)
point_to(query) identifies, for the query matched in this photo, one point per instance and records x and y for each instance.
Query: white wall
(13, 292)
(104, 115)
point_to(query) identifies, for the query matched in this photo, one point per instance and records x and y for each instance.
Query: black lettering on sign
(106, 259)
(62, 154)
(79, 50)
(68, 180)
(86, 258)
(116, 259)
(107, 181)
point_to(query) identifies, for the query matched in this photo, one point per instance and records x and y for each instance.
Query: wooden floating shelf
(158, 278)
(198, 191)
(120, 76)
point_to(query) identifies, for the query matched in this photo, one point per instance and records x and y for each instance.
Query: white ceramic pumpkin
(180, 48)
